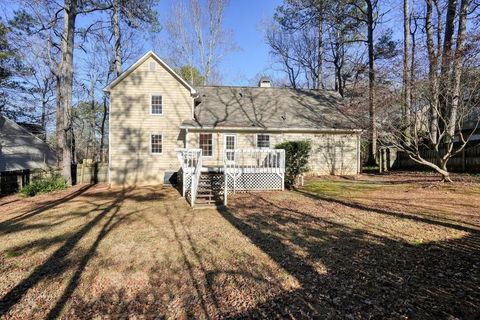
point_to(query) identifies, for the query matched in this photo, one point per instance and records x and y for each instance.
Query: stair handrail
(196, 177)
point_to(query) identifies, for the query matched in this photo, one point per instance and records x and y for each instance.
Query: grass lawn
(399, 246)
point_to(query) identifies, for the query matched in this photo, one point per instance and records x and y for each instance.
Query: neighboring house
(20, 149)
(470, 128)
(154, 112)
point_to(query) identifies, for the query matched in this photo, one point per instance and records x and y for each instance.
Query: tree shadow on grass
(350, 273)
(16, 223)
(59, 262)
(448, 223)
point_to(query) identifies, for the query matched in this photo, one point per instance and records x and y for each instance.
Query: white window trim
(225, 135)
(213, 145)
(156, 114)
(269, 140)
(150, 143)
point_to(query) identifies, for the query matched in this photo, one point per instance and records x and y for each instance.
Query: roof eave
(275, 129)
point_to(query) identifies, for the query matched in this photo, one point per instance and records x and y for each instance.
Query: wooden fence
(14, 181)
(466, 161)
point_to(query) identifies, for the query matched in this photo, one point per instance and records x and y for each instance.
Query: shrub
(44, 185)
(296, 159)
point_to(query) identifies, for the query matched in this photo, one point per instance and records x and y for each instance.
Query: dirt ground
(395, 246)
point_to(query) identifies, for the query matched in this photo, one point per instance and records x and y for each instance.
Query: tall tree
(10, 66)
(135, 14)
(457, 110)
(406, 69)
(305, 16)
(370, 19)
(39, 57)
(457, 68)
(65, 85)
(433, 55)
(197, 36)
(367, 13)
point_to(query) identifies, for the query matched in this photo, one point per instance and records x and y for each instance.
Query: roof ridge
(267, 88)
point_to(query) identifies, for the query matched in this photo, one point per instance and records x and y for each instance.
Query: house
(154, 112)
(20, 149)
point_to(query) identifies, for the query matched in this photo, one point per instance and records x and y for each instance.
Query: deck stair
(210, 189)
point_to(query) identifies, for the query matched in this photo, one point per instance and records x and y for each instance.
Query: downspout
(359, 164)
(109, 140)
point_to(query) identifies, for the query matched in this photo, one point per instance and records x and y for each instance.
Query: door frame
(225, 143)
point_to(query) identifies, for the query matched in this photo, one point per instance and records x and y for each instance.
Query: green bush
(296, 159)
(44, 185)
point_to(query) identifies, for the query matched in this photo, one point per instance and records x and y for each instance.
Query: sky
(244, 18)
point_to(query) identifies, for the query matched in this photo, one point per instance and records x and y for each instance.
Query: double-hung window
(156, 143)
(263, 140)
(206, 144)
(156, 106)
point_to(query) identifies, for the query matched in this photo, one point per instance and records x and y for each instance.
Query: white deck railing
(255, 160)
(244, 170)
(195, 179)
(253, 169)
(191, 162)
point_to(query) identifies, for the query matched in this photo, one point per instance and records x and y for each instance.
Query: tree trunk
(457, 68)
(92, 113)
(59, 125)
(117, 36)
(319, 80)
(372, 149)
(64, 99)
(413, 33)
(43, 119)
(406, 72)
(432, 74)
(444, 91)
(444, 172)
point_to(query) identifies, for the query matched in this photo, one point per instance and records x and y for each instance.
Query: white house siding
(332, 153)
(19, 149)
(131, 125)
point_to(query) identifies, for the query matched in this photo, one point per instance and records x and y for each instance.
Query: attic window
(152, 65)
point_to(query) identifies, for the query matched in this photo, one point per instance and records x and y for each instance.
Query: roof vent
(152, 65)
(265, 82)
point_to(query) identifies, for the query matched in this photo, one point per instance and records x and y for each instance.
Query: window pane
(156, 105)
(263, 141)
(206, 144)
(230, 142)
(156, 143)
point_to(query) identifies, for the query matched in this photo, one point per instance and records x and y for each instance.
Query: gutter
(274, 129)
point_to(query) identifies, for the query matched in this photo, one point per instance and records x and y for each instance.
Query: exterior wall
(131, 125)
(332, 153)
(20, 150)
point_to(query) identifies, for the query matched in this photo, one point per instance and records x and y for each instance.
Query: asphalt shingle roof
(266, 108)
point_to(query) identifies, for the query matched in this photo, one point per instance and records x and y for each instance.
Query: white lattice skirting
(186, 178)
(254, 181)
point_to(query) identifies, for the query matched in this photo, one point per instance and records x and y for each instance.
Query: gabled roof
(254, 108)
(134, 66)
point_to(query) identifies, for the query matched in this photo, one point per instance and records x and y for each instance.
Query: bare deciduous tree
(459, 95)
(197, 36)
